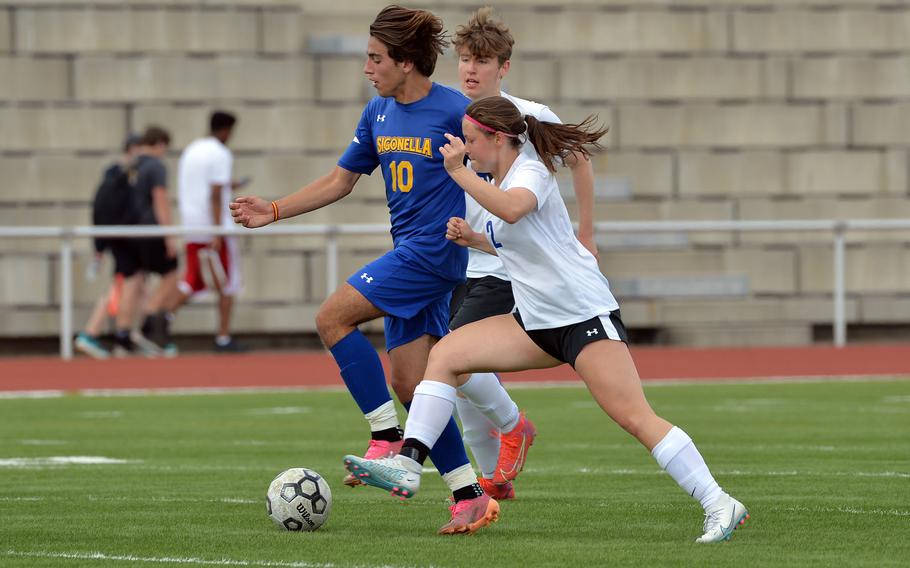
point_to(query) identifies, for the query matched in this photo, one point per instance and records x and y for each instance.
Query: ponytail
(552, 141)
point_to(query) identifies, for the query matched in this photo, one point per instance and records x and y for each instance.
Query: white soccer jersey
(205, 162)
(556, 281)
(481, 264)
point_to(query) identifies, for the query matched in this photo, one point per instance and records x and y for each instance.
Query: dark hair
(410, 35)
(551, 140)
(156, 135)
(221, 120)
(485, 36)
(131, 140)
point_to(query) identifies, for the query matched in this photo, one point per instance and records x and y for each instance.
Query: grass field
(824, 468)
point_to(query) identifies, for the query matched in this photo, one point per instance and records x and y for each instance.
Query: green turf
(823, 467)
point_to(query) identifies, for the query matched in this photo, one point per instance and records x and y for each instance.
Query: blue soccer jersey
(404, 140)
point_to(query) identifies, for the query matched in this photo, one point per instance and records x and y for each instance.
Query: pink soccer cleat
(471, 515)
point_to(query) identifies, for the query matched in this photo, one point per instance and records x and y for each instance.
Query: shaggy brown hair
(410, 35)
(485, 36)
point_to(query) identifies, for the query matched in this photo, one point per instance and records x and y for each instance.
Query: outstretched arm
(510, 206)
(459, 232)
(257, 212)
(583, 184)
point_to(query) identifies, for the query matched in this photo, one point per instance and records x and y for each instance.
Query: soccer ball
(299, 499)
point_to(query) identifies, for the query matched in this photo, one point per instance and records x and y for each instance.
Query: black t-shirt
(150, 173)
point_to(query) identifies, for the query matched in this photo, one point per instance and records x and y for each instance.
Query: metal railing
(838, 230)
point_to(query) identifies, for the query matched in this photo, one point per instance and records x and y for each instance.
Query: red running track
(317, 369)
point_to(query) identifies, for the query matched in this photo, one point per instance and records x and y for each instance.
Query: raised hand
(452, 153)
(252, 212)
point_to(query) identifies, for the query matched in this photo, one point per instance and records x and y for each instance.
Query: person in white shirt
(204, 186)
(566, 312)
(484, 50)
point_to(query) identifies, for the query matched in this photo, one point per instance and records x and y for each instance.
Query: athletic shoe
(398, 474)
(124, 346)
(470, 515)
(376, 449)
(144, 345)
(722, 518)
(156, 328)
(91, 346)
(513, 450)
(230, 347)
(502, 492)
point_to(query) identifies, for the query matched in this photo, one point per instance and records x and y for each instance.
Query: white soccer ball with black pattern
(299, 499)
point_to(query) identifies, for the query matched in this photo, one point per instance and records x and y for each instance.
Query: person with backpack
(112, 205)
(151, 206)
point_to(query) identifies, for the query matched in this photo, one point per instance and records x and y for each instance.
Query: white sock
(460, 477)
(481, 435)
(382, 417)
(486, 393)
(677, 455)
(431, 409)
(222, 340)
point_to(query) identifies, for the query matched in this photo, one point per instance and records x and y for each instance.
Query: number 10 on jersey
(402, 176)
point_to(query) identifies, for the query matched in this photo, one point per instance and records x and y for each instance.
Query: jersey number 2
(492, 236)
(402, 176)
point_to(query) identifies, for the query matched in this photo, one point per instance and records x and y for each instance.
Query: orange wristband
(275, 211)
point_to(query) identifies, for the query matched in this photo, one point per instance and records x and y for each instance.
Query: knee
(442, 362)
(327, 326)
(404, 386)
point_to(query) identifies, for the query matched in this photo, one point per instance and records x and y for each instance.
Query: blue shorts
(415, 299)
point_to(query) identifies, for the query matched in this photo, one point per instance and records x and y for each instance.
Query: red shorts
(206, 271)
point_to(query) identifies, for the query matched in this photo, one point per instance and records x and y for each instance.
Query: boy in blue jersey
(401, 132)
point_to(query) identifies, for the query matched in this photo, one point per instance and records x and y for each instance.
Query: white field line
(844, 510)
(177, 560)
(279, 410)
(731, 473)
(52, 461)
(33, 394)
(529, 385)
(109, 499)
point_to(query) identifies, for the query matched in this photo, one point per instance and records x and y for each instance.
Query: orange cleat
(513, 450)
(502, 492)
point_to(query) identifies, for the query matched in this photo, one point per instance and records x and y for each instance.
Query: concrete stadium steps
(717, 109)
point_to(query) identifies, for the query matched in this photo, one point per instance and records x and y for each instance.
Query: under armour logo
(367, 277)
(380, 118)
(591, 332)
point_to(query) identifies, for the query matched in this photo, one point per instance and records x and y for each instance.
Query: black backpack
(113, 204)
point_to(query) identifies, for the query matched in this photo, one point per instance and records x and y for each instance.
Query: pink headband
(479, 124)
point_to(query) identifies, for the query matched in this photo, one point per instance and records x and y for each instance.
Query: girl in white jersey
(484, 48)
(566, 312)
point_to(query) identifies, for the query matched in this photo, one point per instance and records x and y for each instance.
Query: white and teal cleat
(398, 475)
(722, 518)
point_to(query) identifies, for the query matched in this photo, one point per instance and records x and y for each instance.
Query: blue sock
(362, 371)
(448, 454)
